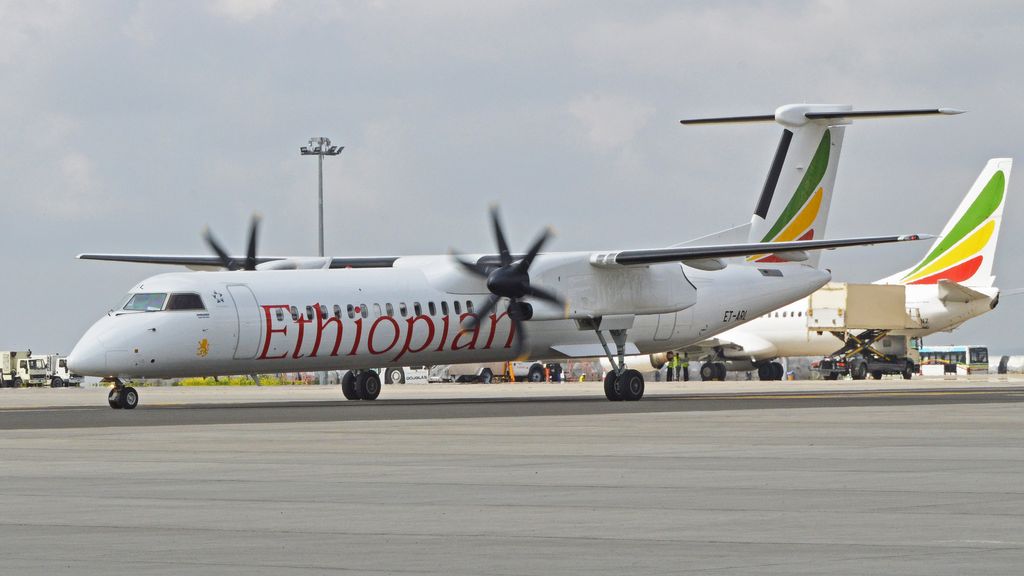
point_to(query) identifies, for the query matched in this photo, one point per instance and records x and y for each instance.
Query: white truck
(504, 371)
(10, 375)
(57, 372)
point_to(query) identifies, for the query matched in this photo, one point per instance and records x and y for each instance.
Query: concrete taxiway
(787, 480)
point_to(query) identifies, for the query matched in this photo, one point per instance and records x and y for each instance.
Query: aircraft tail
(797, 194)
(965, 250)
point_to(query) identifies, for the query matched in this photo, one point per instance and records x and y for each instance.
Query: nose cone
(88, 357)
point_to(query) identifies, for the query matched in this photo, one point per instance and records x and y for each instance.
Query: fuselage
(411, 314)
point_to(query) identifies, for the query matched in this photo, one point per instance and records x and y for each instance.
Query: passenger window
(185, 302)
(295, 314)
(402, 310)
(337, 312)
(432, 308)
(376, 310)
(364, 311)
(469, 306)
(351, 312)
(280, 315)
(390, 309)
(444, 308)
(309, 312)
(323, 311)
(458, 307)
(417, 308)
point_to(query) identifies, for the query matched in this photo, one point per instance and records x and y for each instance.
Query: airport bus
(958, 360)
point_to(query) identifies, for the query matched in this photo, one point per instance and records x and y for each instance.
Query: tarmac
(919, 477)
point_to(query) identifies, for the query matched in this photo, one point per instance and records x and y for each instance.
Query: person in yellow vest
(673, 367)
(685, 363)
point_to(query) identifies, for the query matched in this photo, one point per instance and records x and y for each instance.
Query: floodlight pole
(320, 147)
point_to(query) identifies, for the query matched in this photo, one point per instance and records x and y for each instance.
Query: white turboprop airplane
(276, 314)
(951, 284)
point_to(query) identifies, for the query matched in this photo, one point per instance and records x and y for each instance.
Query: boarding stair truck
(862, 317)
(58, 373)
(9, 375)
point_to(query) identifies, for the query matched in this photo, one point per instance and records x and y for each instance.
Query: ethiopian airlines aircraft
(274, 314)
(952, 283)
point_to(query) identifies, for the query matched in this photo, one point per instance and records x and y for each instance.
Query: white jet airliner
(289, 314)
(952, 283)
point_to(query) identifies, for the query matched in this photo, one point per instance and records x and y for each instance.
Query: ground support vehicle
(57, 373)
(9, 374)
(867, 354)
(862, 317)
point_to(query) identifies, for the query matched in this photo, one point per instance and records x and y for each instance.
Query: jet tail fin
(965, 250)
(797, 193)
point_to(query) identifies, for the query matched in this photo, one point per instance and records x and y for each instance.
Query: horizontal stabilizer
(950, 291)
(688, 253)
(784, 115)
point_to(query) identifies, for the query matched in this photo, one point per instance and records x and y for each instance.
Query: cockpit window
(146, 302)
(185, 302)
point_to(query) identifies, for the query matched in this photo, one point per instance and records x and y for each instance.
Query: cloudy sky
(129, 126)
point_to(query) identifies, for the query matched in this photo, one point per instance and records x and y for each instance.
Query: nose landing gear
(121, 396)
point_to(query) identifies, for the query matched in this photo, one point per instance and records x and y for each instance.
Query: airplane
(289, 314)
(951, 284)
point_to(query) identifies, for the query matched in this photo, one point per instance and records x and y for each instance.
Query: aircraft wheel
(129, 398)
(707, 371)
(764, 372)
(348, 386)
(368, 385)
(612, 391)
(114, 399)
(631, 385)
(720, 371)
(777, 371)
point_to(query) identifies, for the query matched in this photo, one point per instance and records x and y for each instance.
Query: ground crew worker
(686, 367)
(673, 363)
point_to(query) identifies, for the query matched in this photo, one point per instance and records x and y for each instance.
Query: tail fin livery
(965, 250)
(797, 193)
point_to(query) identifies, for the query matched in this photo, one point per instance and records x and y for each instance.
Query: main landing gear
(360, 385)
(620, 383)
(121, 396)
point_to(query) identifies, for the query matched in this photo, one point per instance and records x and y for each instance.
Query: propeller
(510, 278)
(250, 255)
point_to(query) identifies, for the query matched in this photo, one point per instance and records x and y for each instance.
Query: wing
(708, 256)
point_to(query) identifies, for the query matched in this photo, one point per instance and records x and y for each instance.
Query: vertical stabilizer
(965, 251)
(797, 193)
